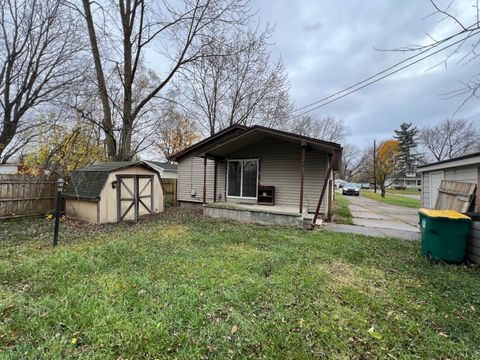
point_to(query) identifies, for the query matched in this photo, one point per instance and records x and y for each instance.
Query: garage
(465, 169)
(114, 192)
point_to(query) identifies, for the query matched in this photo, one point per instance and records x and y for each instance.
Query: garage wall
(468, 174)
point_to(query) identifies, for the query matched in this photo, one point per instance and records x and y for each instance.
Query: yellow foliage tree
(61, 151)
(176, 132)
(386, 163)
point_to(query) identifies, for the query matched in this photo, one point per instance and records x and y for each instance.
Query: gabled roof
(238, 133)
(87, 183)
(164, 166)
(225, 133)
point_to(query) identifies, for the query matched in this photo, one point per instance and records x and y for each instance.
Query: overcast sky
(329, 45)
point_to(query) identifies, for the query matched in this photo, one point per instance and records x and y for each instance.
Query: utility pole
(375, 166)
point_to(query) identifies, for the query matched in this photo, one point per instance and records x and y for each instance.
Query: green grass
(341, 212)
(391, 199)
(187, 287)
(406, 191)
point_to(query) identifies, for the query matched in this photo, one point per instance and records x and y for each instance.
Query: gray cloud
(327, 46)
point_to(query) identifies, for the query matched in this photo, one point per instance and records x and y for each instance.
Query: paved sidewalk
(375, 232)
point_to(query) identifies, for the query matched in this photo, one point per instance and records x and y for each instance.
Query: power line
(355, 88)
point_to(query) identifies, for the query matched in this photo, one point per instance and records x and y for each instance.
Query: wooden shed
(114, 191)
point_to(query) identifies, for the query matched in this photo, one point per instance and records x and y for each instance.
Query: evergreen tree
(407, 139)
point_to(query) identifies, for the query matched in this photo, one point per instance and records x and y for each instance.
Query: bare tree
(177, 31)
(328, 128)
(450, 138)
(242, 87)
(37, 62)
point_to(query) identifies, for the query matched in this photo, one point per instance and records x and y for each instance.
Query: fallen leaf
(74, 341)
(234, 329)
(374, 334)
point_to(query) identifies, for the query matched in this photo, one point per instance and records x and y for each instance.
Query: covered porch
(297, 171)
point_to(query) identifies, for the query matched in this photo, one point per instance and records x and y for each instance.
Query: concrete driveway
(371, 213)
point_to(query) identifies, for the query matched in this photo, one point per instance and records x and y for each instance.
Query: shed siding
(82, 209)
(190, 178)
(425, 190)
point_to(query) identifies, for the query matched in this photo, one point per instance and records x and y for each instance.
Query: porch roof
(258, 133)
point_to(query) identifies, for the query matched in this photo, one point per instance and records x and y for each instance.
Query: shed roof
(464, 160)
(87, 183)
(165, 166)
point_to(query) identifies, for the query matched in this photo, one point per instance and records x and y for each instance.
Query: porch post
(336, 153)
(302, 176)
(205, 179)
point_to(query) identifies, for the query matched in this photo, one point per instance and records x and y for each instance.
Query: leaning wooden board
(473, 243)
(455, 195)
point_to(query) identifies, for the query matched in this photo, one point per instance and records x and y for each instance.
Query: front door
(134, 196)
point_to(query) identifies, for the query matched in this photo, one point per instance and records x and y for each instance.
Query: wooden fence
(23, 195)
(170, 192)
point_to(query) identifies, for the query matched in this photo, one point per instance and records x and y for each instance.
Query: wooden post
(330, 196)
(302, 176)
(205, 179)
(325, 184)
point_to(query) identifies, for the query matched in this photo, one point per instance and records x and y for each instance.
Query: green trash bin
(444, 234)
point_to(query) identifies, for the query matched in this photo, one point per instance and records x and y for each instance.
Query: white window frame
(241, 179)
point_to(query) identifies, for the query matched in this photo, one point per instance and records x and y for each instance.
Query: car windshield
(351, 185)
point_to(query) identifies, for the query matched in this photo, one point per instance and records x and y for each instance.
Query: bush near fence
(24, 195)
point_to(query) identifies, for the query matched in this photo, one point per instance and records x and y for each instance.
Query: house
(462, 169)
(407, 180)
(167, 171)
(114, 191)
(258, 174)
(9, 169)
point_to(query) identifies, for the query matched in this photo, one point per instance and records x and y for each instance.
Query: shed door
(134, 196)
(435, 181)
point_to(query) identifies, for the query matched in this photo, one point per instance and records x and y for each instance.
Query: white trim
(451, 164)
(241, 179)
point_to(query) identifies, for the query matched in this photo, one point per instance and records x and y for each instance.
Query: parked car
(365, 185)
(351, 189)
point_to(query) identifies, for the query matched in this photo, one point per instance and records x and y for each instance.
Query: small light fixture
(60, 183)
(114, 184)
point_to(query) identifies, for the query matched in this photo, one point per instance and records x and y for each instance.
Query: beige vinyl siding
(190, 178)
(221, 173)
(316, 163)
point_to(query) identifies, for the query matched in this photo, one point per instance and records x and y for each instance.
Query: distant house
(258, 174)
(464, 168)
(166, 170)
(9, 169)
(407, 180)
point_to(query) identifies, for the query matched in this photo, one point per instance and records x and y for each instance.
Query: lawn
(180, 286)
(340, 211)
(406, 191)
(391, 199)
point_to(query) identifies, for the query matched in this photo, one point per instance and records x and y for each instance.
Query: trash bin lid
(447, 214)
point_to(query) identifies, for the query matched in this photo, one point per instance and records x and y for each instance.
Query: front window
(242, 178)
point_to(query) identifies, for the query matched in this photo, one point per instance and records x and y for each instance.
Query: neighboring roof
(88, 182)
(164, 166)
(468, 159)
(205, 142)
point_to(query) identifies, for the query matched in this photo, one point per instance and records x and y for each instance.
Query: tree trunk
(107, 122)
